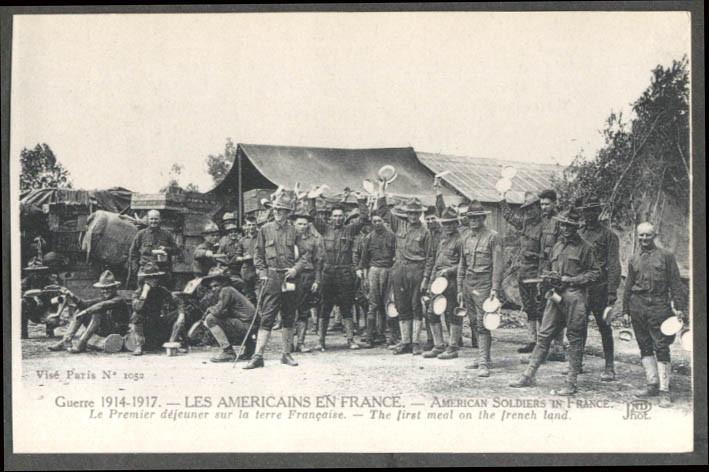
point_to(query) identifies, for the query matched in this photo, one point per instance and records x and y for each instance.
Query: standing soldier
(203, 257)
(479, 277)
(409, 276)
(653, 283)
(229, 219)
(277, 265)
(153, 238)
(245, 255)
(376, 260)
(550, 234)
(447, 258)
(603, 293)
(229, 246)
(312, 253)
(529, 256)
(573, 268)
(338, 279)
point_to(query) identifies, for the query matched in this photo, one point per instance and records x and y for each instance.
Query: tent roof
(266, 166)
(475, 177)
(115, 199)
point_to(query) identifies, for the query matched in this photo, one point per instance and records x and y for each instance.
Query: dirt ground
(341, 371)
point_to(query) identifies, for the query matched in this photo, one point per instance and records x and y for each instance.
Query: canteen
(439, 285)
(503, 185)
(460, 311)
(439, 305)
(391, 310)
(492, 320)
(685, 339)
(508, 172)
(671, 326)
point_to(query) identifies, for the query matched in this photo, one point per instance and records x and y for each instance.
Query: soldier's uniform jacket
(530, 241)
(576, 259)
(339, 242)
(550, 234)
(653, 274)
(143, 244)
(606, 249)
(115, 312)
(311, 250)
(200, 262)
(413, 242)
(245, 248)
(447, 256)
(230, 248)
(275, 248)
(378, 249)
(481, 254)
(232, 304)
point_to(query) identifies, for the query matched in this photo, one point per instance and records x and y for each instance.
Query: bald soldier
(153, 238)
(653, 283)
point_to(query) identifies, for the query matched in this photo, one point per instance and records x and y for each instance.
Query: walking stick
(253, 320)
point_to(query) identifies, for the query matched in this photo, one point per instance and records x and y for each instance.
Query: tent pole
(240, 191)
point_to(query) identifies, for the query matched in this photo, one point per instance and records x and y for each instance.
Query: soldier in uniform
(151, 239)
(230, 318)
(652, 285)
(228, 219)
(158, 316)
(276, 262)
(409, 276)
(312, 252)
(479, 277)
(104, 315)
(550, 234)
(375, 263)
(229, 246)
(245, 255)
(203, 257)
(530, 252)
(446, 260)
(573, 268)
(36, 277)
(604, 292)
(338, 279)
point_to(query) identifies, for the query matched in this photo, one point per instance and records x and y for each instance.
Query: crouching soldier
(573, 268)
(107, 314)
(158, 316)
(231, 319)
(653, 281)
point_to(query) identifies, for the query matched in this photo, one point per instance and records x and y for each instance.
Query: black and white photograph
(264, 231)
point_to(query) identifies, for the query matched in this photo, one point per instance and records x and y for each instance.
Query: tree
(41, 169)
(643, 161)
(173, 185)
(218, 166)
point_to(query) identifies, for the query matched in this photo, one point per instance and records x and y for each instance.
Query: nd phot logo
(637, 410)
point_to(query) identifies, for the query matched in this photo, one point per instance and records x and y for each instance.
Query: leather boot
(532, 331)
(405, 346)
(474, 334)
(86, 335)
(451, 351)
(322, 332)
(415, 346)
(575, 356)
(349, 333)
(428, 345)
(437, 334)
(63, 345)
(522, 381)
(255, 362)
(664, 369)
(567, 390)
(139, 339)
(653, 380)
(80, 347)
(301, 327)
(370, 340)
(226, 355)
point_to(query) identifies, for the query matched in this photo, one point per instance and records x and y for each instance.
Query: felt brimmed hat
(449, 215)
(530, 198)
(211, 228)
(230, 226)
(216, 273)
(300, 211)
(591, 203)
(229, 216)
(476, 209)
(414, 206)
(150, 269)
(284, 201)
(570, 217)
(107, 280)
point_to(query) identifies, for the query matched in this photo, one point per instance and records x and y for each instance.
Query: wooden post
(240, 190)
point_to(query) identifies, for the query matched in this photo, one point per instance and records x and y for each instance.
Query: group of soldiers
(303, 258)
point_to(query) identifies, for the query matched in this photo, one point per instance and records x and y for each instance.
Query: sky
(120, 98)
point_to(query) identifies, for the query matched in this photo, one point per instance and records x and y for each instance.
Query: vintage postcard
(361, 232)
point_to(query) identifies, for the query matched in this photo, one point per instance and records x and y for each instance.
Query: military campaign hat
(570, 216)
(476, 209)
(216, 273)
(107, 280)
(231, 226)
(211, 228)
(35, 265)
(229, 216)
(449, 215)
(300, 211)
(150, 269)
(530, 198)
(414, 206)
(284, 201)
